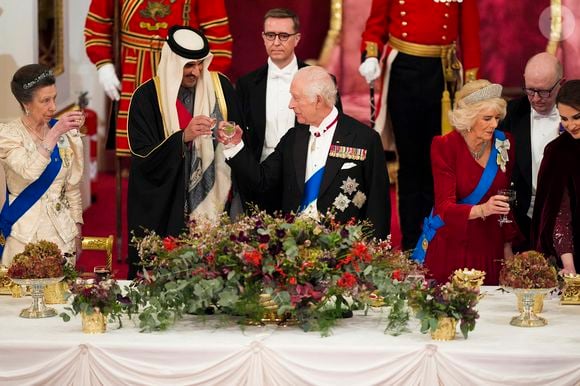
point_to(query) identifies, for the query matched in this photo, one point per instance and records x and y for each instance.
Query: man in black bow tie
(265, 92)
(329, 161)
(534, 121)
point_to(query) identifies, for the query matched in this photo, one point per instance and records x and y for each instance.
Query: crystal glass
(511, 200)
(229, 129)
(38, 309)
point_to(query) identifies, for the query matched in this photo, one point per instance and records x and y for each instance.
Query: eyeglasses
(283, 36)
(541, 93)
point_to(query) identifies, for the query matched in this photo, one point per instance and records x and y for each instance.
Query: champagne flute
(511, 200)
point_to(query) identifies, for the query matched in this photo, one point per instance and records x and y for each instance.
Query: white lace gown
(55, 215)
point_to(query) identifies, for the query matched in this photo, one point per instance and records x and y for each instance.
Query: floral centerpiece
(307, 268)
(432, 302)
(527, 270)
(42, 259)
(95, 296)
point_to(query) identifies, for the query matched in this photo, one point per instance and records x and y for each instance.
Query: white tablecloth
(52, 352)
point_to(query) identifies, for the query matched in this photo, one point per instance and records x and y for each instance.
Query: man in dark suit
(265, 93)
(534, 121)
(328, 162)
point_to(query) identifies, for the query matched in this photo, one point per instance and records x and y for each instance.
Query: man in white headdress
(178, 170)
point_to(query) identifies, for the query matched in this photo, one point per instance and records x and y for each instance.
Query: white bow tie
(553, 114)
(283, 75)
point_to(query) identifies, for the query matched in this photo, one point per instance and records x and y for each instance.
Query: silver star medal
(341, 202)
(359, 199)
(349, 185)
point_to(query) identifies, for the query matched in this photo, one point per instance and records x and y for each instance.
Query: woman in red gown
(471, 236)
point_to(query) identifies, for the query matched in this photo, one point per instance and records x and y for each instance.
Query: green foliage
(306, 268)
(431, 302)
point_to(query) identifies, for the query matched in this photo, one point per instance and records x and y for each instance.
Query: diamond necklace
(477, 154)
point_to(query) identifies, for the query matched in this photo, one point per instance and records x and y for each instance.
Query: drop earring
(27, 112)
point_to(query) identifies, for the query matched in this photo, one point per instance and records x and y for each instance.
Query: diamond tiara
(490, 91)
(34, 81)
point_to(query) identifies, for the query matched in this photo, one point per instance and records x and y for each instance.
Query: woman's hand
(72, 120)
(199, 125)
(496, 205)
(568, 263)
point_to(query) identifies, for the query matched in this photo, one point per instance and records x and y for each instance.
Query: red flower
(292, 281)
(253, 257)
(397, 275)
(169, 243)
(360, 250)
(348, 280)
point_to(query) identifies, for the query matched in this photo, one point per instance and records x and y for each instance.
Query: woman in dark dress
(471, 236)
(556, 218)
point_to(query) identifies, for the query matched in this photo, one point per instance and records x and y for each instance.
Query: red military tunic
(144, 26)
(425, 22)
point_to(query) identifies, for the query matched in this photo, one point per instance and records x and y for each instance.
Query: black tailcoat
(286, 168)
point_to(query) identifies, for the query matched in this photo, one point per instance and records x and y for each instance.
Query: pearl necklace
(32, 131)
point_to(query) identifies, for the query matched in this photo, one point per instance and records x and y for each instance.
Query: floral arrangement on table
(432, 301)
(39, 260)
(94, 295)
(528, 270)
(307, 268)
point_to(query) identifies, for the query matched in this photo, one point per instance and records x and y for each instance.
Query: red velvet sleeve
(563, 238)
(443, 162)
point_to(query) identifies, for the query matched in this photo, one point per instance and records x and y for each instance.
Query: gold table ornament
(470, 278)
(571, 292)
(38, 309)
(528, 317)
(95, 322)
(55, 293)
(446, 329)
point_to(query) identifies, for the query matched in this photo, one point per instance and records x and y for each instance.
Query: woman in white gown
(45, 154)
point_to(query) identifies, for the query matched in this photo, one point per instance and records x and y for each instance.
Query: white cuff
(231, 152)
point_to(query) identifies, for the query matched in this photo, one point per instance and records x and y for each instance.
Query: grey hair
(318, 83)
(464, 115)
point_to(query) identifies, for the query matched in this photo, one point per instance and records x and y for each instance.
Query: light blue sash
(432, 223)
(311, 189)
(11, 212)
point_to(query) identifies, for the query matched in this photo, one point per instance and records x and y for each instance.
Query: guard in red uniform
(419, 38)
(144, 26)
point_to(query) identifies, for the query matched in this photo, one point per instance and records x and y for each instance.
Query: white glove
(370, 69)
(109, 80)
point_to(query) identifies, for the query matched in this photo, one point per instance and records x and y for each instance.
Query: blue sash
(432, 223)
(311, 189)
(12, 212)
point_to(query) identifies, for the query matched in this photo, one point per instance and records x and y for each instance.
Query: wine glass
(214, 119)
(511, 200)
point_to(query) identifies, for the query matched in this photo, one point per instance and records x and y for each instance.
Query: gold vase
(571, 292)
(538, 302)
(445, 329)
(55, 293)
(95, 323)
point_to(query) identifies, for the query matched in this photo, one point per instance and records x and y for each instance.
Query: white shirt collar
(553, 114)
(324, 125)
(286, 72)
